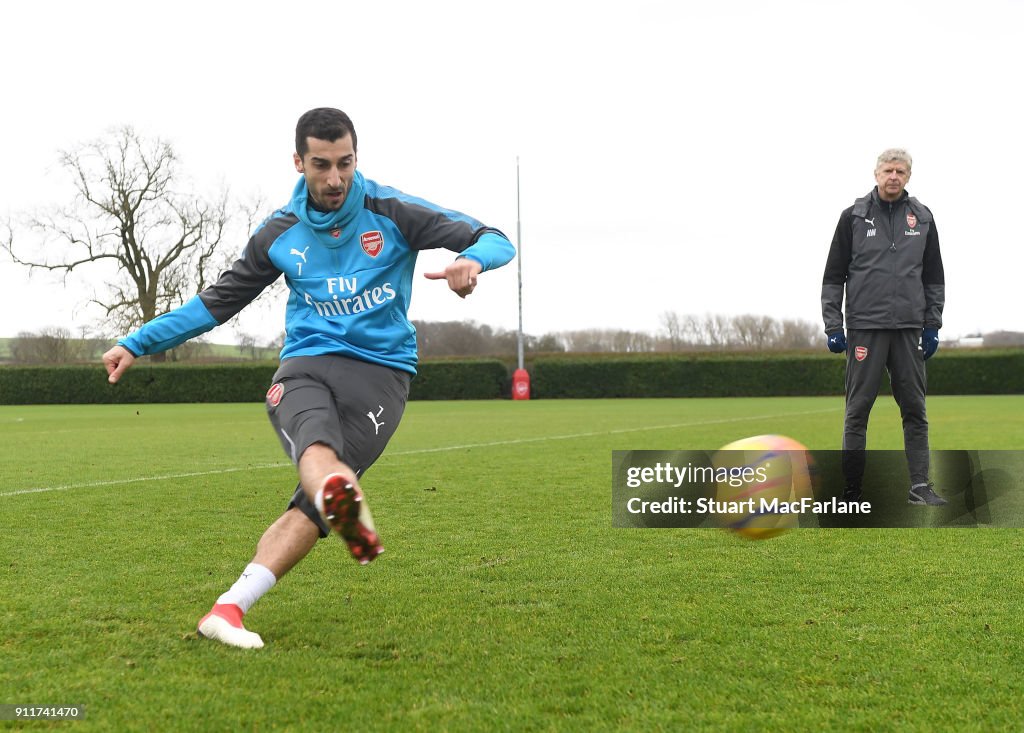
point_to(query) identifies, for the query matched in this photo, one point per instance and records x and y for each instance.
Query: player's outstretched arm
(117, 361)
(461, 275)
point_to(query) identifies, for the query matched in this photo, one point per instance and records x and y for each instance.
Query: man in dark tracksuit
(885, 253)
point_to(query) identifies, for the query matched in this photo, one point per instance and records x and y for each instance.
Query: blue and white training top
(349, 273)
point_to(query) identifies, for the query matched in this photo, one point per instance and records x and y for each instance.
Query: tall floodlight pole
(519, 269)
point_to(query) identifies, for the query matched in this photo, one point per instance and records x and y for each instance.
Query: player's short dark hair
(323, 123)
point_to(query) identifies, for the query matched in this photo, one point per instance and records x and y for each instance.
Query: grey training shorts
(350, 405)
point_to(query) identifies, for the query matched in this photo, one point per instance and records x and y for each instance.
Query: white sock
(253, 583)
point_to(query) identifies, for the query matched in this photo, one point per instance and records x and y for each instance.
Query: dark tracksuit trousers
(870, 352)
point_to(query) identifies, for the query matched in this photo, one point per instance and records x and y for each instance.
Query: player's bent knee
(320, 451)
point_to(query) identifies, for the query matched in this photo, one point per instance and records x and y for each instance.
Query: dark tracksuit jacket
(886, 257)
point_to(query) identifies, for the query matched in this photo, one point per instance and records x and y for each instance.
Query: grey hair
(894, 154)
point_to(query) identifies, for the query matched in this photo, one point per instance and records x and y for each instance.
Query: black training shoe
(923, 494)
(853, 493)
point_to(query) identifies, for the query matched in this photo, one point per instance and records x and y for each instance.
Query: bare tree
(583, 341)
(796, 334)
(192, 350)
(51, 345)
(712, 331)
(159, 243)
(754, 332)
(598, 340)
(548, 343)
(469, 338)
(632, 341)
(276, 343)
(718, 331)
(247, 343)
(451, 338)
(674, 330)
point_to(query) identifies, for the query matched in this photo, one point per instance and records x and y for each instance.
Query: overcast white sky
(675, 156)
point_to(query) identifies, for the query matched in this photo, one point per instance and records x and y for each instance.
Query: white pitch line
(101, 429)
(164, 477)
(491, 444)
(605, 432)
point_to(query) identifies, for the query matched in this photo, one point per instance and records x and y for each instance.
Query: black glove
(837, 342)
(929, 342)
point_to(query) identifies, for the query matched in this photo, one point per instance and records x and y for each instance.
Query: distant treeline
(678, 333)
(57, 345)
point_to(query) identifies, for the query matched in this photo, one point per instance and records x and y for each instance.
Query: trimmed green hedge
(652, 375)
(746, 375)
(977, 372)
(246, 382)
(84, 384)
(484, 379)
(686, 376)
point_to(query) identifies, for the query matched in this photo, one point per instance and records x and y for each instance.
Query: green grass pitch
(505, 600)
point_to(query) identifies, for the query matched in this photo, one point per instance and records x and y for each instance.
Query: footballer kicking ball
(758, 482)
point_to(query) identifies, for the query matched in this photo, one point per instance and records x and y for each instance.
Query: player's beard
(324, 201)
